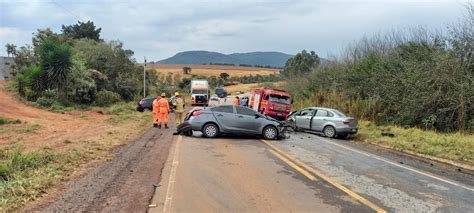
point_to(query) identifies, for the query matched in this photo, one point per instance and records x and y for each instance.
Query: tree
(224, 76)
(55, 59)
(11, 49)
(82, 30)
(301, 63)
(186, 70)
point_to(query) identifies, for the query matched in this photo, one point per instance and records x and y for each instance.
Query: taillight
(196, 113)
(346, 121)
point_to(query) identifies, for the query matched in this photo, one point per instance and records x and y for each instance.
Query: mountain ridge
(257, 58)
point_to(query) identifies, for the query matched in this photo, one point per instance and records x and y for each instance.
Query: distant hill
(273, 59)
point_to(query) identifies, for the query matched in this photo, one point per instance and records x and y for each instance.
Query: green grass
(124, 112)
(4, 121)
(24, 176)
(452, 146)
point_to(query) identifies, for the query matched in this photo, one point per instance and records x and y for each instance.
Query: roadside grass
(457, 147)
(26, 174)
(4, 121)
(125, 112)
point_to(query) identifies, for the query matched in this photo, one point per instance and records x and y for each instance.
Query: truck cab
(272, 102)
(200, 93)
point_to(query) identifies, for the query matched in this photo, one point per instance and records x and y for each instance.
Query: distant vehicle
(199, 92)
(230, 119)
(330, 122)
(147, 104)
(272, 102)
(221, 92)
(214, 98)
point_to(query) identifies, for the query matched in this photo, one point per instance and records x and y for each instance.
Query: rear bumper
(347, 130)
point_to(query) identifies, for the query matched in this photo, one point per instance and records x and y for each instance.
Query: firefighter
(155, 111)
(236, 101)
(163, 109)
(178, 104)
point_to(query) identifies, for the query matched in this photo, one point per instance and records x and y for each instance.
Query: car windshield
(199, 92)
(280, 99)
(339, 113)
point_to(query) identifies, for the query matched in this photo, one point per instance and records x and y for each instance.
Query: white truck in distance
(199, 92)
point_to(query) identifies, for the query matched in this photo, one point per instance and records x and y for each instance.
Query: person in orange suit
(164, 107)
(156, 112)
(236, 101)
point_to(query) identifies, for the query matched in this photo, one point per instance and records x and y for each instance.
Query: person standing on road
(178, 104)
(244, 101)
(236, 101)
(163, 109)
(156, 111)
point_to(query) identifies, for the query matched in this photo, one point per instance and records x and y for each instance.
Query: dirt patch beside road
(124, 184)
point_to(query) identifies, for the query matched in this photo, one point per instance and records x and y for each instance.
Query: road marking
(325, 177)
(294, 166)
(172, 179)
(400, 166)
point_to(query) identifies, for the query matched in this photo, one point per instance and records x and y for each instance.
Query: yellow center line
(294, 166)
(298, 165)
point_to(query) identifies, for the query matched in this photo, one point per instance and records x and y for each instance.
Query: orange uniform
(163, 106)
(156, 111)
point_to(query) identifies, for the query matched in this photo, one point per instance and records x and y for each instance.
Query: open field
(39, 149)
(211, 70)
(247, 87)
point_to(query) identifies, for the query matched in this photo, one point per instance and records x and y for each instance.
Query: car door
(225, 117)
(246, 121)
(319, 120)
(303, 118)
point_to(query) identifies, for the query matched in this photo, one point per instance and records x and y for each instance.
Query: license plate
(279, 114)
(354, 130)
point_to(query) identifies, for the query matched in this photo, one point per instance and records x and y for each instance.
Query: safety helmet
(176, 94)
(163, 94)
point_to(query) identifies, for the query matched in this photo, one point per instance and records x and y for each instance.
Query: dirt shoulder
(129, 176)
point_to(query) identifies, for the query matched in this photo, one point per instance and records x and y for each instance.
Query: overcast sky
(160, 29)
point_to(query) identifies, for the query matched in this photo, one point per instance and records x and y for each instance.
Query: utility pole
(144, 78)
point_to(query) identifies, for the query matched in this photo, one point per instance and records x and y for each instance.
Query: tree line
(412, 78)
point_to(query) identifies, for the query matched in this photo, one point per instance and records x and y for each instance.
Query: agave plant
(55, 59)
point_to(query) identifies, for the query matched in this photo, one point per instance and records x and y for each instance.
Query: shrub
(106, 98)
(45, 101)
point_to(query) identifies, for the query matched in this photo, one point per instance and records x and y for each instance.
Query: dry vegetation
(247, 87)
(211, 70)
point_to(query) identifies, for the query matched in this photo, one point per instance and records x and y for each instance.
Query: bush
(106, 98)
(45, 101)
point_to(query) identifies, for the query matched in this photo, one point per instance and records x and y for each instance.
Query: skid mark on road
(298, 165)
(172, 179)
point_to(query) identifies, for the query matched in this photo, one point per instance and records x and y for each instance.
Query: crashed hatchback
(230, 119)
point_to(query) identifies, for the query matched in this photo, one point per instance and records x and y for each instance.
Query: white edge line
(172, 179)
(398, 165)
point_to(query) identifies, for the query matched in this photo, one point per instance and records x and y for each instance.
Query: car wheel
(270, 133)
(329, 131)
(189, 133)
(210, 130)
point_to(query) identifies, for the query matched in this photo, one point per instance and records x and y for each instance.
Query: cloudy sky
(159, 29)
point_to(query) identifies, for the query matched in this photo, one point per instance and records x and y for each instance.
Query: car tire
(270, 133)
(210, 130)
(189, 133)
(329, 131)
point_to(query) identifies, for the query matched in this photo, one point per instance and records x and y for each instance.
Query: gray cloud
(159, 29)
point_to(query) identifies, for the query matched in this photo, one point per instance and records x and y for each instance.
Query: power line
(67, 10)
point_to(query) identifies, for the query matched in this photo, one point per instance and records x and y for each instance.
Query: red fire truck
(272, 102)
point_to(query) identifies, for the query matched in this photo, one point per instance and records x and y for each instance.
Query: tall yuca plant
(55, 59)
